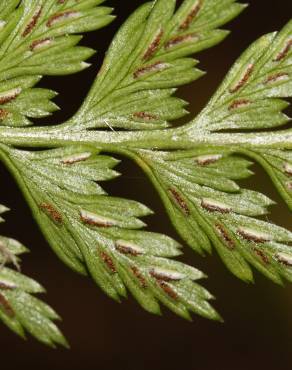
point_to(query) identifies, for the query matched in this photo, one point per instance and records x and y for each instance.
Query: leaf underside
(134, 91)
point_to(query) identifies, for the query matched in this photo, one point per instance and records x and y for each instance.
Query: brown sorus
(6, 306)
(145, 116)
(58, 16)
(153, 46)
(155, 67)
(180, 201)
(238, 103)
(262, 256)
(214, 208)
(139, 276)
(174, 41)
(284, 52)
(275, 77)
(167, 289)
(127, 250)
(30, 26)
(52, 212)
(162, 276)
(192, 15)
(222, 232)
(108, 261)
(4, 99)
(243, 80)
(3, 114)
(39, 42)
(252, 237)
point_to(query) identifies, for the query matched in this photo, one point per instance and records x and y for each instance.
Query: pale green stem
(177, 138)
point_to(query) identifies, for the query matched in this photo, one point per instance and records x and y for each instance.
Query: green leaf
(148, 59)
(205, 205)
(36, 38)
(19, 309)
(84, 228)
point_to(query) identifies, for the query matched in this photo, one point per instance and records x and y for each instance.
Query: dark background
(257, 333)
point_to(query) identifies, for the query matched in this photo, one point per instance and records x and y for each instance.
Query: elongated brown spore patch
(212, 205)
(166, 275)
(7, 286)
(10, 95)
(93, 219)
(139, 276)
(191, 16)
(153, 46)
(288, 169)
(243, 80)
(289, 185)
(52, 213)
(61, 1)
(284, 258)
(3, 114)
(264, 258)
(239, 103)
(145, 116)
(224, 235)
(178, 40)
(38, 44)
(155, 67)
(284, 52)
(281, 76)
(179, 201)
(30, 26)
(80, 157)
(253, 235)
(167, 289)
(108, 261)
(206, 160)
(6, 306)
(127, 248)
(59, 17)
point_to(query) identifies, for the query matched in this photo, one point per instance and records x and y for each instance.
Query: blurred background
(257, 333)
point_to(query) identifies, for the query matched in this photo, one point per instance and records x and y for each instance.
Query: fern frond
(147, 60)
(83, 226)
(19, 309)
(39, 38)
(206, 205)
(250, 98)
